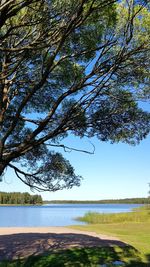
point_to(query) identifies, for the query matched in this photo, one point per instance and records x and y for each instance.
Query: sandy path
(56, 230)
(19, 242)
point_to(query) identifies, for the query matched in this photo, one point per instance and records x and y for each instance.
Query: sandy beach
(57, 230)
(20, 242)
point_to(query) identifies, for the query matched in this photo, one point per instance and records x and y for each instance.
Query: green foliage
(76, 67)
(19, 198)
(83, 257)
(117, 117)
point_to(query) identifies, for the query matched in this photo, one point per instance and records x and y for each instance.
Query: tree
(19, 198)
(69, 67)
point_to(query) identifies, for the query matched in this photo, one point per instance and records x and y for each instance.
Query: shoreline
(51, 229)
(20, 205)
(90, 202)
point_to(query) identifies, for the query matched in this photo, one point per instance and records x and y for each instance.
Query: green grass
(134, 234)
(83, 257)
(138, 215)
(132, 228)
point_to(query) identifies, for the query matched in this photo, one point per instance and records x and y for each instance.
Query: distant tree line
(20, 198)
(105, 201)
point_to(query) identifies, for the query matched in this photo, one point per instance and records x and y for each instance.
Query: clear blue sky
(114, 171)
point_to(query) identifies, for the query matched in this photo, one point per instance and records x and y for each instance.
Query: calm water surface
(54, 214)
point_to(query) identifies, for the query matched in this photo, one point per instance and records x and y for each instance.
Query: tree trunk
(2, 168)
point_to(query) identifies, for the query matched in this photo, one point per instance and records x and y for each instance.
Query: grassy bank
(135, 234)
(138, 215)
(132, 228)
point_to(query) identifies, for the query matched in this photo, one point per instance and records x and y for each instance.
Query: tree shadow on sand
(59, 250)
(26, 244)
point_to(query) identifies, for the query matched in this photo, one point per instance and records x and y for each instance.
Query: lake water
(54, 214)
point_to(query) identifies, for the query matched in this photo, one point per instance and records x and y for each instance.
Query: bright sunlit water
(54, 214)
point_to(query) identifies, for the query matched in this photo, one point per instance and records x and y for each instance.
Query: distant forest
(105, 201)
(20, 198)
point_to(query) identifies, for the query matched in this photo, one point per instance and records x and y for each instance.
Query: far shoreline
(20, 205)
(136, 201)
(104, 201)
